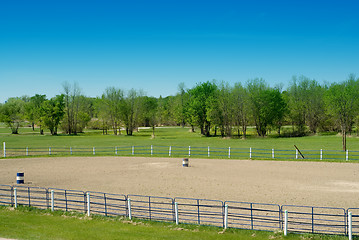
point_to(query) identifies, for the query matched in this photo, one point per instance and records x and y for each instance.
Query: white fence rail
(184, 151)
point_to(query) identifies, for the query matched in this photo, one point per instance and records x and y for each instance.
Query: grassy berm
(31, 223)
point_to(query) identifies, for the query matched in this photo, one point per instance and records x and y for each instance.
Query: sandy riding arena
(300, 183)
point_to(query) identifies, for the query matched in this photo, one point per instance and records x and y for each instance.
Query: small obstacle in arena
(20, 177)
(185, 162)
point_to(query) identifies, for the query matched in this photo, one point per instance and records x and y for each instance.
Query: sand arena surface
(299, 183)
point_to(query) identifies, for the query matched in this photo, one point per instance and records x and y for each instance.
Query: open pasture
(299, 183)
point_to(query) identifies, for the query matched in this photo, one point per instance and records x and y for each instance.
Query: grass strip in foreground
(31, 223)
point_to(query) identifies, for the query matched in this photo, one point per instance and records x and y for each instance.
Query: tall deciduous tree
(112, 100)
(150, 117)
(343, 101)
(240, 108)
(131, 110)
(12, 113)
(266, 104)
(200, 97)
(53, 112)
(33, 110)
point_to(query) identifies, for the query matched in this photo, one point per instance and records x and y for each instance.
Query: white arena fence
(182, 151)
(224, 214)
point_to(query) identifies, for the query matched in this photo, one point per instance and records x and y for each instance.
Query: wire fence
(228, 214)
(184, 151)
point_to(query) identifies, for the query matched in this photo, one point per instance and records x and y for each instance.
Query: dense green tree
(53, 112)
(343, 101)
(266, 104)
(33, 110)
(200, 97)
(12, 113)
(220, 109)
(240, 108)
(150, 116)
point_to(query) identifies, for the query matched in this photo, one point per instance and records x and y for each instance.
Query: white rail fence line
(182, 151)
(228, 214)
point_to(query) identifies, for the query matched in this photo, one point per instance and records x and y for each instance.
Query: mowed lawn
(173, 136)
(29, 223)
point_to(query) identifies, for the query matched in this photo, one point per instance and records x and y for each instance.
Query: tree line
(214, 108)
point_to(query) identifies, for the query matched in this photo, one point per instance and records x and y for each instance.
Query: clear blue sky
(155, 45)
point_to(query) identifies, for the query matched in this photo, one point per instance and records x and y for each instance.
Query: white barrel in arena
(185, 162)
(20, 177)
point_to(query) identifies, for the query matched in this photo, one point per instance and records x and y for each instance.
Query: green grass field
(30, 223)
(173, 136)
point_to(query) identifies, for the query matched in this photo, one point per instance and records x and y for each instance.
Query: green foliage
(12, 113)
(52, 113)
(267, 105)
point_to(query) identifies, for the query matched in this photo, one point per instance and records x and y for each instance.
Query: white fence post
(93, 151)
(273, 153)
(27, 151)
(70, 150)
(229, 152)
(208, 152)
(189, 151)
(296, 154)
(176, 213)
(250, 153)
(15, 197)
(88, 204)
(169, 151)
(226, 216)
(347, 155)
(49, 150)
(4, 149)
(151, 150)
(321, 154)
(285, 223)
(350, 228)
(115, 150)
(129, 208)
(52, 201)
(133, 150)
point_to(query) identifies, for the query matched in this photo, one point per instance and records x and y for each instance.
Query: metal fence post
(49, 150)
(347, 155)
(225, 216)
(93, 151)
(208, 152)
(52, 201)
(15, 197)
(250, 153)
(88, 204)
(4, 149)
(176, 213)
(321, 154)
(169, 151)
(273, 153)
(70, 150)
(296, 154)
(115, 150)
(27, 151)
(350, 228)
(129, 208)
(189, 151)
(151, 150)
(229, 152)
(285, 223)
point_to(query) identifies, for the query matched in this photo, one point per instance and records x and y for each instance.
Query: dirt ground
(299, 183)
